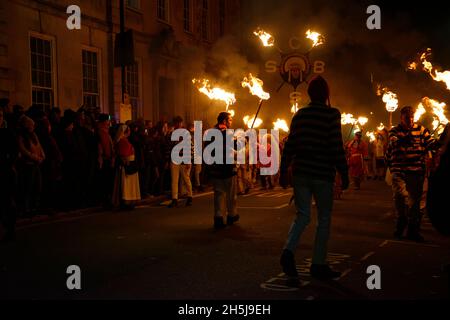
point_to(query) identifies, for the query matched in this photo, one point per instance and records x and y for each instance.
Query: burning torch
(255, 86)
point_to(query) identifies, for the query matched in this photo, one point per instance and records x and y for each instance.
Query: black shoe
(287, 262)
(415, 237)
(189, 202)
(323, 272)
(218, 223)
(232, 219)
(173, 204)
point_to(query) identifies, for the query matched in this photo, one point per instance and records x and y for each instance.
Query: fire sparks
(249, 121)
(255, 86)
(380, 127)
(266, 38)
(214, 93)
(294, 108)
(315, 37)
(281, 125)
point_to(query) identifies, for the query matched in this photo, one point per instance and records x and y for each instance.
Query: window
(134, 4)
(132, 87)
(187, 16)
(205, 20)
(41, 72)
(163, 10)
(222, 17)
(91, 91)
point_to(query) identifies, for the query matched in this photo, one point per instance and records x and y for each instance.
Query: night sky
(354, 54)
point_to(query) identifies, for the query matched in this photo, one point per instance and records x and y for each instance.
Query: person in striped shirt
(314, 150)
(409, 144)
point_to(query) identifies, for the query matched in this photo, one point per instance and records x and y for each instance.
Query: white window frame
(52, 39)
(139, 111)
(98, 51)
(191, 17)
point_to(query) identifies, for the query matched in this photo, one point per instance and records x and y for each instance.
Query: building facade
(43, 62)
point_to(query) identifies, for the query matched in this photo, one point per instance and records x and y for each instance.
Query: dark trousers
(407, 188)
(106, 183)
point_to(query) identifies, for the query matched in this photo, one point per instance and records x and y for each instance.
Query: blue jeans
(304, 190)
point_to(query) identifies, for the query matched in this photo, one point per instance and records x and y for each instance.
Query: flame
(380, 127)
(436, 75)
(347, 118)
(362, 121)
(249, 121)
(315, 37)
(419, 112)
(294, 108)
(412, 66)
(231, 112)
(266, 38)
(371, 136)
(438, 110)
(281, 125)
(214, 93)
(255, 86)
(389, 98)
(357, 129)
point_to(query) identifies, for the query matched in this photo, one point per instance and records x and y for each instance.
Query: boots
(287, 262)
(218, 223)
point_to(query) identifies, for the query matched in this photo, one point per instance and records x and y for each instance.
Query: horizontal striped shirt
(408, 148)
(314, 147)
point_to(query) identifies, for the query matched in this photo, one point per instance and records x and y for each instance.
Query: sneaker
(189, 202)
(323, 272)
(287, 262)
(232, 219)
(173, 204)
(218, 223)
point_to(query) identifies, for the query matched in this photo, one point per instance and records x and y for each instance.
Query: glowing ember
(315, 37)
(412, 66)
(281, 125)
(249, 121)
(266, 38)
(380, 127)
(255, 86)
(214, 93)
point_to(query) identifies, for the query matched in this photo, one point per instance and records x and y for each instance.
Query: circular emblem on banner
(295, 68)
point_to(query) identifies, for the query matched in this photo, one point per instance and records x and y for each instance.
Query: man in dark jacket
(315, 150)
(223, 178)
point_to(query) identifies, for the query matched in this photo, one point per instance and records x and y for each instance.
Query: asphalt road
(158, 253)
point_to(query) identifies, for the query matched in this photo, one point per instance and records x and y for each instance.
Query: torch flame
(255, 86)
(294, 108)
(412, 66)
(380, 127)
(214, 93)
(438, 110)
(249, 121)
(281, 125)
(389, 98)
(419, 112)
(371, 136)
(266, 38)
(362, 121)
(315, 37)
(231, 112)
(436, 75)
(347, 118)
